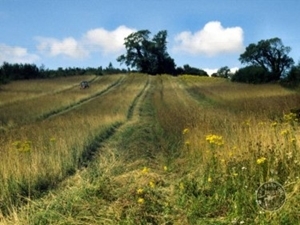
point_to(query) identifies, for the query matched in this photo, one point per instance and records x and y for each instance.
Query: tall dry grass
(28, 89)
(190, 157)
(36, 156)
(247, 137)
(47, 103)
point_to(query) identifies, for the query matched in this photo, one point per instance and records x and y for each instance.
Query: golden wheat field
(139, 149)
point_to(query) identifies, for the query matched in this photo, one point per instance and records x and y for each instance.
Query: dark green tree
(187, 69)
(292, 79)
(148, 56)
(252, 75)
(269, 54)
(223, 72)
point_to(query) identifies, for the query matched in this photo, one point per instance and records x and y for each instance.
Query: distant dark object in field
(84, 84)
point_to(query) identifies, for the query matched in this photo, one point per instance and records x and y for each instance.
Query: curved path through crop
(82, 101)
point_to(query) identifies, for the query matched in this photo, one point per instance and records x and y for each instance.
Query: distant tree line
(16, 71)
(266, 61)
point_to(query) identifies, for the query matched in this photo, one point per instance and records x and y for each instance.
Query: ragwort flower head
(152, 184)
(145, 170)
(261, 160)
(140, 191)
(215, 139)
(141, 201)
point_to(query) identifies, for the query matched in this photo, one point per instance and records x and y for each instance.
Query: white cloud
(108, 42)
(212, 40)
(211, 71)
(96, 40)
(68, 47)
(15, 54)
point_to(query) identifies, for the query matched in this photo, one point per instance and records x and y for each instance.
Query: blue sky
(206, 34)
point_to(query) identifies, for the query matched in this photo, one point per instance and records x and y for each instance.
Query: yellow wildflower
(165, 168)
(261, 160)
(215, 139)
(145, 170)
(140, 191)
(209, 179)
(141, 201)
(151, 184)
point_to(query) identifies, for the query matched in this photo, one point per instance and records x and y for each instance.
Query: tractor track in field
(66, 89)
(62, 109)
(82, 101)
(91, 150)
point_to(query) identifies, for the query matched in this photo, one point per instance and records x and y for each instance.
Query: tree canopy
(269, 54)
(148, 56)
(251, 74)
(223, 72)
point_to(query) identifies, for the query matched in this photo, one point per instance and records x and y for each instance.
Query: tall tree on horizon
(148, 56)
(269, 54)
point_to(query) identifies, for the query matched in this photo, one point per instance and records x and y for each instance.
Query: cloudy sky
(206, 34)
